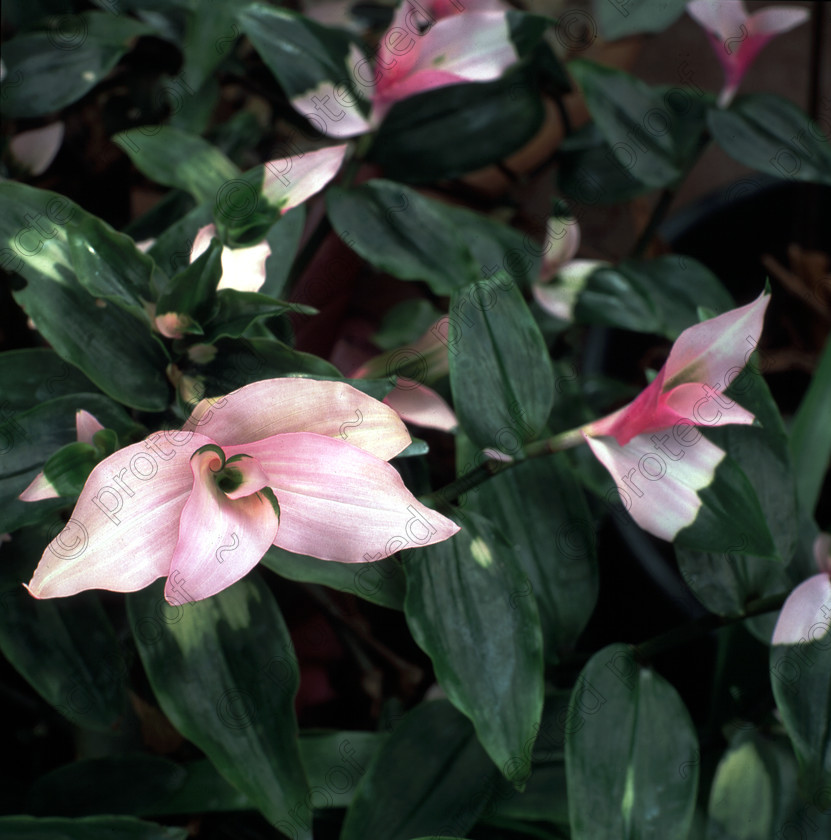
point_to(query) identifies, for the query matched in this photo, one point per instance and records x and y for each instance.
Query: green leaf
(283, 238)
(29, 438)
(236, 311)
(403, 233)
(117, 784)
(725, 581)
(645, 785)
(64, 647)
(48, 70)
(33, 376)
(660, 295)
(192, 292)
(209, 26)
(485, 644)
(500, 369)
(619, 18)
(431, 773)
(299, 52)
(381, 582)
(110, 266)
(88, 828)
(177, 158)
(769, 133)
(447, 132)
(589, 172)
(540, 508)
(633, 119)
(114, 349)
(801, 681)
(403, 323)
(811, 434)
(225, 674)
(69, 468)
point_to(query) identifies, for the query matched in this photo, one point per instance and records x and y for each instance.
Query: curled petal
(124, 528)
(276, 406)
(220, 539)
(86, 426)
(657, 487)
(338, 502)
(421, 405)
(711, 351)
(805, 614)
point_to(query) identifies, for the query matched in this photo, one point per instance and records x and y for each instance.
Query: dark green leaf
(429, 775)
(192, 293)
(619, 18)
(33, 376)
(381, 582)
(114, 349)
(225, 673)
(500, 369)
(176, 158)
(64, 647)
(69, 468)
(631, 752)
(236, 311)
(633, 119)
(771, 134)
(402, 232)
(209, 34)
(464, 608)
(48, 70)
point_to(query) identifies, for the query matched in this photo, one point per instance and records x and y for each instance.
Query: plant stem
(481, 473)
(702, 626)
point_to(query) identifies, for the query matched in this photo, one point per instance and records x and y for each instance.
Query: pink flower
(281, 461)
(288, 183)
(806, 614)
(738, 37)
(562, 277)
(470, 47)
(41, 488)
(651, 445)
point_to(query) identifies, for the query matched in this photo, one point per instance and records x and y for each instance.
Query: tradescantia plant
(333, 507)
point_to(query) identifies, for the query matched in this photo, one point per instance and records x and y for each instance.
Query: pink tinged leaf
(338, 502)
(330, 112)
(421, 405)
(704, 406)
(774, 20)
(418, 82)
(36, 149)
(145, 245)
(276, 406)
(86, 426)
(39, 489)
(805, 614)
(201, 241)
(657, 480)
(173, 324)
(123, 530)
(559, 297)
(722, 18)
(715, 351)
(290, 181)
(562, 241)
(822, 552)
(220, 538)
(243, 269)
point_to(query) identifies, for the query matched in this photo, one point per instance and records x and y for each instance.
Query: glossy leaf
(624, 109)
(237, 311)
(636, 721)
(65, 647)
(485, 643)
(49, 70)
(500, 368)
(381, 582)
(540, 508)
(114, 349)
(769, 133)
(33, 376)
(811, 435)
(402, 232)
(177, 158)
(430, 773)
(225, 674)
